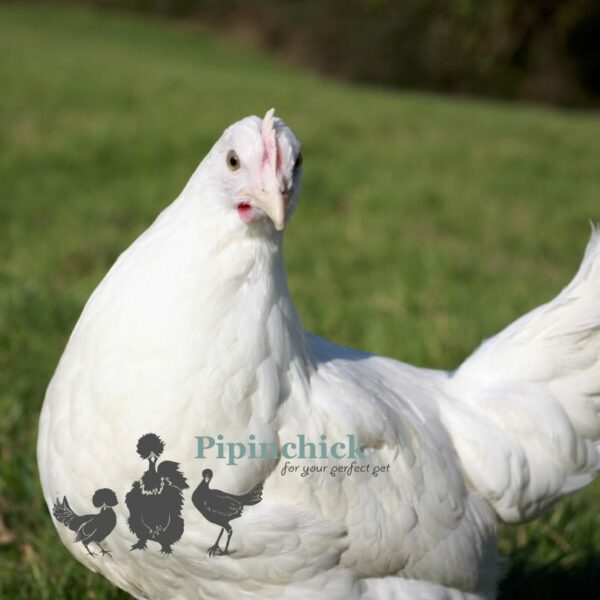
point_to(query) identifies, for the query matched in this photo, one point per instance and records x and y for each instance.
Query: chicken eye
(233, 160)
(298, 162)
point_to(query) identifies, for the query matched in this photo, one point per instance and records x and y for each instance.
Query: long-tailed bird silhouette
(220, 507)
(155, 500)
(90, 528)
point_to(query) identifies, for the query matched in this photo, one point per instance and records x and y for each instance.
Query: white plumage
(193, 332)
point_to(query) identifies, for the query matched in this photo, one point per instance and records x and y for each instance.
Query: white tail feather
(525, 419)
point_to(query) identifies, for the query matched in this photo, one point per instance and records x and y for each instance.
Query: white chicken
(193, 332)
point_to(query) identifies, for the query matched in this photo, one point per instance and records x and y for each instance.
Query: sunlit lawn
(426, 224)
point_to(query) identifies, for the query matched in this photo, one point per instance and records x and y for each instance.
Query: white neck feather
(193, 302)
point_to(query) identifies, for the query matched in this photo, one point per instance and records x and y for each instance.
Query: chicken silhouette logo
(220, 507)
(155, 500)
(89, 528)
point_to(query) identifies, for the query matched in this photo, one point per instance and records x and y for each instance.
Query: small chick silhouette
(155, 500)
(89, 528)
(220, 507)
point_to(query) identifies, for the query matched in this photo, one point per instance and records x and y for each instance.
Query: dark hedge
(547, 50)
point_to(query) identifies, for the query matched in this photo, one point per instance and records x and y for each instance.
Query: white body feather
(184, 338)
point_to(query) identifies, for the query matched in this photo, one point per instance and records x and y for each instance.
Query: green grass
(426, 224)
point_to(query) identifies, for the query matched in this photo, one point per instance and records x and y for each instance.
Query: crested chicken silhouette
(155, 500)
(193, 331)
(90, 529)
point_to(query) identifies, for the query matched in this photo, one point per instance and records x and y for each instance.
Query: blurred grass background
(426, 224)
